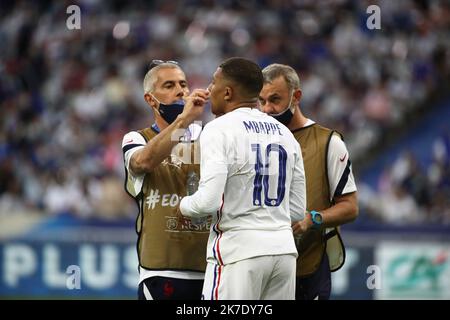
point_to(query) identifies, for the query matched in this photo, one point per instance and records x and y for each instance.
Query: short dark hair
(244, 72)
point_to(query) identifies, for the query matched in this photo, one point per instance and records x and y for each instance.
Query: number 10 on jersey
(262, 175)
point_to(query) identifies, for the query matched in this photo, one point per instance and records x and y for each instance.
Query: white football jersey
(252, 182)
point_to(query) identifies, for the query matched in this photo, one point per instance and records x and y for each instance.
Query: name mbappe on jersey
(262, 127)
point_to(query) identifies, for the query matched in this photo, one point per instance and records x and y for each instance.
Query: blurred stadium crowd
(68, 96)
(410, 193)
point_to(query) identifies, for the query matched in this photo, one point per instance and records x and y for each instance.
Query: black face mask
(285, 116)
(169, 112)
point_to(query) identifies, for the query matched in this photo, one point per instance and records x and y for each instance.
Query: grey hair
(150, 78)
(275, 70)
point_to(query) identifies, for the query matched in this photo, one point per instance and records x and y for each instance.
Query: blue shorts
(317, 285)
(164, 288)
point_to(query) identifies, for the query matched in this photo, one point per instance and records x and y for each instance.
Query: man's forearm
(345, 210)
(159, 147)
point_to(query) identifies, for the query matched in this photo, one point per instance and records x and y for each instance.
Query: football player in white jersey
(253, 184)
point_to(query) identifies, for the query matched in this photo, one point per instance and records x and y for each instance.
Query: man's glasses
(155, 63)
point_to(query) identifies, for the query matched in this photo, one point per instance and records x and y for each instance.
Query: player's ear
(297, 95)
(150, 100)
(228, 94)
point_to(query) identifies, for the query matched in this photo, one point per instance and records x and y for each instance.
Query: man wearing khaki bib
(160, 163)
(330, 187)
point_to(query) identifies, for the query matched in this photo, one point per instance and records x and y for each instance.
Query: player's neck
(242, 104)
(161, 123)
(298, 120)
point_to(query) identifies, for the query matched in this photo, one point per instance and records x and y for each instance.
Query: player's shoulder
(337, 145)
(287, 133)
(336, 142)
(210, 130)
(330, 135)
(220, 122)
(321, 128)
(133, 133)
(211, 125)
(133, 137)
